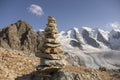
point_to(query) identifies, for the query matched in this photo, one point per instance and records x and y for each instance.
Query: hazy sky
(68, 13)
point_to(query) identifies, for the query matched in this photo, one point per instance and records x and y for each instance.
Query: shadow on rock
(32, 76)
(36, 76)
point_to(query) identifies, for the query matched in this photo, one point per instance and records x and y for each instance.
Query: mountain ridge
(97, 38)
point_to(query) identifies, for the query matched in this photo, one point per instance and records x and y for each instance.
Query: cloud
(115, 25)
(36, 9)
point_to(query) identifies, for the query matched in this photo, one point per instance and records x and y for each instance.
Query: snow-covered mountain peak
(104, 34)
(75, 28)
(87, 28)
(89, 31)
(117, 30)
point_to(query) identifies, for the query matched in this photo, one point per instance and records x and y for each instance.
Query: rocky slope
(15, 63)
(19, 66)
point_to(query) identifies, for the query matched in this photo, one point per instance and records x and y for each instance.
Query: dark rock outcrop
(103, 36)
(114, 39)
(19, 36)
(89, 39)
(102, 39)
(75, 44)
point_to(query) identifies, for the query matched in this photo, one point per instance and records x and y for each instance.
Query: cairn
(52, 57)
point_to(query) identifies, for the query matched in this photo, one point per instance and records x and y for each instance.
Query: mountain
(91, 47)
(19, 36)
(86, 37)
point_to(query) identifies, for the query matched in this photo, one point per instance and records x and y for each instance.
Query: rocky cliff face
(19, 36)
(90, 40)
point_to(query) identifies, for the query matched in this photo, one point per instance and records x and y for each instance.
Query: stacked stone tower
(51, 45)
(52, 57)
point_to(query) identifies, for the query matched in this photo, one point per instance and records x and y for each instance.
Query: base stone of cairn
(52, 57)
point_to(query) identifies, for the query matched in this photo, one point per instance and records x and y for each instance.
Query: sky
(68, 13)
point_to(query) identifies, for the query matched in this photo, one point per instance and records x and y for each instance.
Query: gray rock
(51, 63)
(63, 75)
(52, 56)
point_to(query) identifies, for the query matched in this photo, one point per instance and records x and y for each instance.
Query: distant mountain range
(85, 38)
(21, 33)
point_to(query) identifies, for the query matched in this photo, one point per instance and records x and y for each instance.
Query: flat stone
(46, 50)
(57, 50)
(52, 63)
(50, 40)
(52, 56)
(51, 35)
(52, 45)
(51, 31)
(49, 50)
